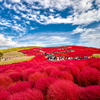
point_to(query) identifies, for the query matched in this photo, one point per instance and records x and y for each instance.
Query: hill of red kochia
(41, 79)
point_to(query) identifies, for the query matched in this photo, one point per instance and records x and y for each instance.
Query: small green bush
(1, 54)
(96, 55)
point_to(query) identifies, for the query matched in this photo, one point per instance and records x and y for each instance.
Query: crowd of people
(52, 57)
(4, 59)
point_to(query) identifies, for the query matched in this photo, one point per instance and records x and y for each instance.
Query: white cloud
(51, 20)
(57, 4)
(83, 12)
(5, 22)
(7, 5)
(18, 28)
(2, 28)
(16, 17)
(97, 2)
(76, 19)
(90, 37)
(32, 28)
(82, 5)
(14, 1)
(51, 10)
(44, 39)
(6, 42)
(1, 0)
(27, 22)
(63, 4)
(14, 26)
(78, 30)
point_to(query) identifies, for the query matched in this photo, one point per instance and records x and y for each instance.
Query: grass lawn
(15, 57)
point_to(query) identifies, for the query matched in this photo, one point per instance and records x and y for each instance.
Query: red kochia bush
(72, 69)
(59, 66)
(49, 70)
(16, 76)
(18, 87)
(90, 93)
(81, 65)
(89, 76)
(26, 73)
(5, 81)
(27, 95)
(4, 94)
(44, 83)
(95, 65)
(62, 75)
(63, 90)
(36, 76)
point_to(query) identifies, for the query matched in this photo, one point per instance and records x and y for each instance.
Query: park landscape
(49, 49)
(39, 78)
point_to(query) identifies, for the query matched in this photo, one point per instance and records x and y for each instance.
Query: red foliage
(18, 87)
(44, 83)
(26, 73)
(4, 95)
(72, 69)
(36, 76)
(49, 70)
(27, 95)
(81, 65)
(90, 93)
(95, 65)
(5, 81)
(59, 66)
(89, 76)
(62, 75)
(63, 90)
(16, 76)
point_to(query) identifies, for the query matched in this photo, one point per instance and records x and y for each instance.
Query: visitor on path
(66, 58)
(85, 57)
(69, 58)
(58, 59)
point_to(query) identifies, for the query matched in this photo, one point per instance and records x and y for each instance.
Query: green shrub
(96, 55)
(1, 54)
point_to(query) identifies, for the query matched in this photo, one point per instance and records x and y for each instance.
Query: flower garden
(41, 79)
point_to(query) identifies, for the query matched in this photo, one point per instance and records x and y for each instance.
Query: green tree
(1, 54)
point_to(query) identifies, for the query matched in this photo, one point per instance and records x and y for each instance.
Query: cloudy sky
(49, 23)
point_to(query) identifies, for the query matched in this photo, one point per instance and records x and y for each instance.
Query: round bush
(95, 65)
(15, 76)
(26, 73)
(19, 87)
(81, 65)
(63, 90)
(44, 83)
(62, 75)
(5, 81)
(90, 93)
(36, 76)
(4, 94)
(49, 70)
(89, 76)
(72, 69)
(27, 95)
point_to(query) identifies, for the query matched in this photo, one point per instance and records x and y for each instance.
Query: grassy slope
(15, 56)
(15, 60)
(17, 49)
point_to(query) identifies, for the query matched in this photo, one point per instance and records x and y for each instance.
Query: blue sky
(49, 23)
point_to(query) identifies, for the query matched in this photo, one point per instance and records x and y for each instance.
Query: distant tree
(1, 54)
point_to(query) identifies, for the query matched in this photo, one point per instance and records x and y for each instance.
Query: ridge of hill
(17, 49)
